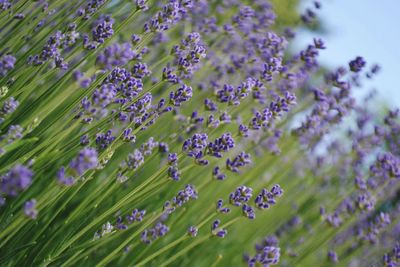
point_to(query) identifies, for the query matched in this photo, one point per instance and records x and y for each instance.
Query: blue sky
(367, 28)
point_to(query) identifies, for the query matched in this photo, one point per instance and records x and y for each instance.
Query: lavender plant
(188, 133)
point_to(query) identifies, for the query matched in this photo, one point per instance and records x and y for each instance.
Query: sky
(368, 28)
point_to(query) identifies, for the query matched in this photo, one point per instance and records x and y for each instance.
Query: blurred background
(366, 28)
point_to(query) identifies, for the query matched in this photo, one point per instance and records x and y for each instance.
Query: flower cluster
(392, 259)
(183, 196)
(187, 55)
(102, 30)
(7, 63)
(217, 230)
(241, 195)
(121, 223)
(194, 147)
(268, 253)
(30, 209)
(267, 198)
(110, 105)
(9, 106)
(152, 234)
(171, 13)
(238, 162)
(18, 179)
(87, 159)
(54, 46)
(221, 144)
(173, 171)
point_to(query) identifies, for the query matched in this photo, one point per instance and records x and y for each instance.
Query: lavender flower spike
(18, 179)
(30, 209)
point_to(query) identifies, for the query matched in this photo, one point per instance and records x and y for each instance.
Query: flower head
(16, 180)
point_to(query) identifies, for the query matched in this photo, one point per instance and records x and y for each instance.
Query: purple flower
(228, 95)
(369, 229)
(103, 140)
(360, 183)
(174, 173)
(192, 231)
(221, 144)
(135, 159)
(309, 56)
(115, 55)
(169, 76)
(91, 7)
(335, 77)
(239, 161)
(127, 135)
(136, 216)
(15, 132)
(332, 256)
(188, 55)
(152, 234)
(172, 159)
(308, 17)
(163, 147)
(365, 201)
(217, 174)
(319, 95)
(212, 122)
(84, 140)
(5, 4)
(103, 29)
(215, 224)
(334, 219)
(30, 209)
(271, 68)
(215, 230)
(243, 130)
(268, 256)
(141, 5)
(209, 105)
(6, 64)
(386, 165)
(170, 14)
(221, 233)
(245, 14)
(140, 70)
(392, 259)
(119, 224)
(194, 146)
(281, 104)
(182, 94)
(241, 195)
(86, 160)
(9, 106)
(357, 64)
(220, 207)
(267, 253)
(248, 211)
(267, 198)
(63, 179)
(261, 119)
(373, 70)
(225, 118)
(148, 147)
(55, 44)
(319, 44)
(135, 39)
(183, 196)
(16, 180)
